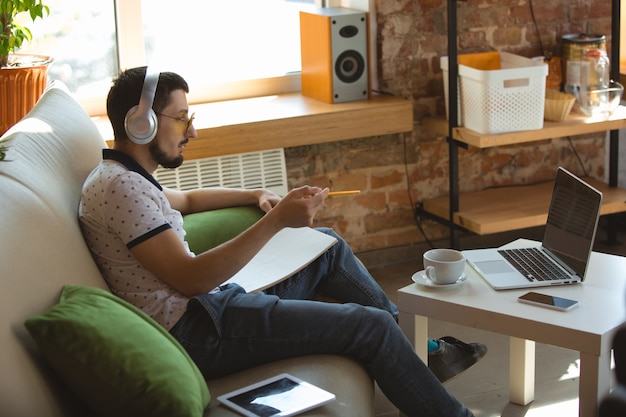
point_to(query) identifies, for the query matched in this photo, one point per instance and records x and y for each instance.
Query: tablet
(282, 395)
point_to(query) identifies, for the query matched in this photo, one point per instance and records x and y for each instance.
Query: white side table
(588, 329)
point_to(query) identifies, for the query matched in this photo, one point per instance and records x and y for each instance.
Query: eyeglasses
(184, 120)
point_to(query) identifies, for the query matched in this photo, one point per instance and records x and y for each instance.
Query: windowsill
(287, 120)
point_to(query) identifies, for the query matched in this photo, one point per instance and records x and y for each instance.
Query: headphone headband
(141, 121)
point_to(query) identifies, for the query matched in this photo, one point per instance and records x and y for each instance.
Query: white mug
(443, 266)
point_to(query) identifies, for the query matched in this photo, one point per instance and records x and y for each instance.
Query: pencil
(348, 192)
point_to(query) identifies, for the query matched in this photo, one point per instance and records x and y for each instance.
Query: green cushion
(211, 228)
(116, 358)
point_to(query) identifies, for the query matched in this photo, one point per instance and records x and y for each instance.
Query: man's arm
(203, 199)
(167, 258)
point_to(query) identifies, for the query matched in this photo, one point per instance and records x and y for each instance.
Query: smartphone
(549, 301)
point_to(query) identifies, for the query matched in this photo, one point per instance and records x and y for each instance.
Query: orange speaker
(334, 54)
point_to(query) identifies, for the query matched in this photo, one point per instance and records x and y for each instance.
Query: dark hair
(126, 92)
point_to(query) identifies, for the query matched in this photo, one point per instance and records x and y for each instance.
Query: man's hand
(299, 207)
(267, 200)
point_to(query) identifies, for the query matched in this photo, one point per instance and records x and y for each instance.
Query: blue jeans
(230, 330)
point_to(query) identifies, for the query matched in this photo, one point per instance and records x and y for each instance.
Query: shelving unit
(501, 209)
(574, 124)
(509, 208)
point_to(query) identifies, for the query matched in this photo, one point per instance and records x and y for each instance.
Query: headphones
(140, 122)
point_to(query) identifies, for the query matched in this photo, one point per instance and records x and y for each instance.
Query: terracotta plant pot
(20, 88)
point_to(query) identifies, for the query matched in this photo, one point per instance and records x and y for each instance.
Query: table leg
(595, 381)
(522, 371)
(415, 328)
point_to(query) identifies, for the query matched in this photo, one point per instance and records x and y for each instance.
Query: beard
(159, 156)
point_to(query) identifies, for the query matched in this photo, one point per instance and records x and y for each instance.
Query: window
(80, 36)
(225, 49)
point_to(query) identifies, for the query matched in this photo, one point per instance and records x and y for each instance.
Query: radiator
(247, 170)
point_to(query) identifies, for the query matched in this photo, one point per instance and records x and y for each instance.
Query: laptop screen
(572, 220)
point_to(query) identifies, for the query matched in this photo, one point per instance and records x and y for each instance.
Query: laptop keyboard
(534, 264)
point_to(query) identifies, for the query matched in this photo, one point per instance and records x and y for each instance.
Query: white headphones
(140, 122)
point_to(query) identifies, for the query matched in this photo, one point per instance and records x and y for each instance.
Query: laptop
(564, 253)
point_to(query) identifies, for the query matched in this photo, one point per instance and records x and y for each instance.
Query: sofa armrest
(211, 228)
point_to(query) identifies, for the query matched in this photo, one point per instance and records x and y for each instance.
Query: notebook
(564, 252)
(287, 252)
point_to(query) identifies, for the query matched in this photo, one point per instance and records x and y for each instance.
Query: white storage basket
(501, 100)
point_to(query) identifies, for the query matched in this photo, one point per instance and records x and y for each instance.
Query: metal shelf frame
(453, 117)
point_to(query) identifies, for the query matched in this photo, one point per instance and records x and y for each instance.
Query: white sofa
(51, 151)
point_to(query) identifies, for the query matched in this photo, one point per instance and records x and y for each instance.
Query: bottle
(595, 77)
(554, 78)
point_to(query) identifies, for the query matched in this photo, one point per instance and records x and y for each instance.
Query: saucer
(421, 279)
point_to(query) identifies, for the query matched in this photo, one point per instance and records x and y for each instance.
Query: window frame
(129, 39)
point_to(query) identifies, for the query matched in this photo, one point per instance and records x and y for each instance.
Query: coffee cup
(444, 266)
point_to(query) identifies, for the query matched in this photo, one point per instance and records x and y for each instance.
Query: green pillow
(117, 359)
(211, 228)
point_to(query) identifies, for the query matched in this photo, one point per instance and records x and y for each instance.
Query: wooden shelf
(574, 124)
(517, 207)
(286, 120)
(510, 208)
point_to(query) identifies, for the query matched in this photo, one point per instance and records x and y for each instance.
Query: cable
(408, 190)
(408, 183)
(532, 13)
(571, 144)
(576, 154)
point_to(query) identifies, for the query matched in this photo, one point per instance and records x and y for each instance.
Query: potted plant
(22, 77)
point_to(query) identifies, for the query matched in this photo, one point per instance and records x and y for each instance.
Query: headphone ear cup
(140, 128)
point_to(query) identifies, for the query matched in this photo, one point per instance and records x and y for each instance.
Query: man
(134, 229)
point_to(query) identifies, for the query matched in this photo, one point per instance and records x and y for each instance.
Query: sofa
(48, 371)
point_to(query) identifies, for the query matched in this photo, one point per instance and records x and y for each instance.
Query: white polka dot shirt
(122, 205)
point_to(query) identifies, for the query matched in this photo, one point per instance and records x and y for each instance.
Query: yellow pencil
(349, 192)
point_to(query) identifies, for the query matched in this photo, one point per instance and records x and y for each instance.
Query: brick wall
(395, 172)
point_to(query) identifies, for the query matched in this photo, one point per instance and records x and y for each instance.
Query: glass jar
(595, 70)
(574, 46)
